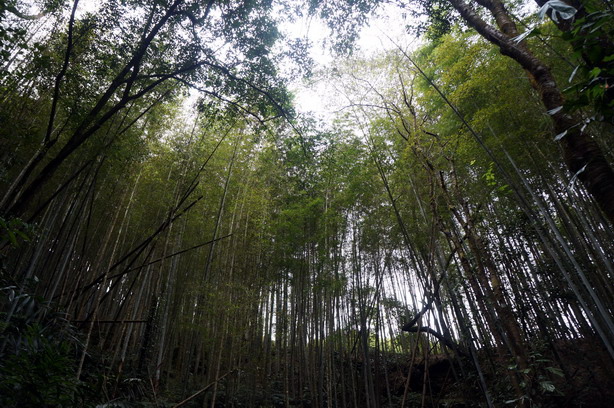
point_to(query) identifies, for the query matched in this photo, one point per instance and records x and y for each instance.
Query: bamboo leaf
(555, 371)
(12, 237)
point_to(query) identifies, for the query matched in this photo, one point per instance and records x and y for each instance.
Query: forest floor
(586, 379)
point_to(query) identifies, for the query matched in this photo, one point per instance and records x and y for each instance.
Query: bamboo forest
(307, 203)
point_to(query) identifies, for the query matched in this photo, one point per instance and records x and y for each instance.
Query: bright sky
(384, 32)
(316, 97)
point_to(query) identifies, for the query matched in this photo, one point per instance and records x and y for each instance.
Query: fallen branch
(448, 342)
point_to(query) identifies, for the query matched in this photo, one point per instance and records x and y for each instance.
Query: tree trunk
(583, 155)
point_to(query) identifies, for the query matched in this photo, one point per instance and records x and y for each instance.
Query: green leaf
(555, 371)
(12, 237)
(23, 235)
(504, 188)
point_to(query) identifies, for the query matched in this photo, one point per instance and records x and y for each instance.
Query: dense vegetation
(173, 232)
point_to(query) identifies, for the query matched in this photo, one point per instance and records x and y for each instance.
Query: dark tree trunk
(582, 154)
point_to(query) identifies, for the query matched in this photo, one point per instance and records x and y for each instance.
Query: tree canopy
(176, 231)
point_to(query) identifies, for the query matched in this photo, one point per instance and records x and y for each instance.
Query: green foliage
(541, 381)
(40, 373)
(434, 18)
(14, 231)
(591, 40)
(39, 356)
(345, 19)
(491, 180)
(329, 235)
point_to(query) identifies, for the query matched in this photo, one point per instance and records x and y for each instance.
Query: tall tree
(157, 44)
(581, 151)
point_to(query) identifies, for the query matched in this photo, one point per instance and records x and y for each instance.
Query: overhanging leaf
(531, 31)
(560, 136)
(564, 10)
(573, 74)
(555, 371)
(575, 176)
(558, 9)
